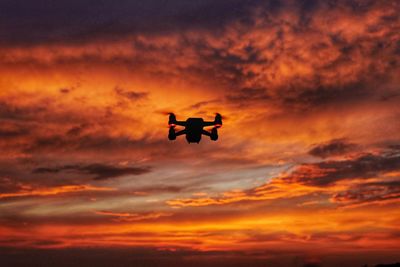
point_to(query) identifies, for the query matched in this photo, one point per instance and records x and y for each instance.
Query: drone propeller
(224, 117)
(218, 120)
(172, 120)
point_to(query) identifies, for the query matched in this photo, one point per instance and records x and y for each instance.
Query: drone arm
(173, 122)
(180, 132)
(208, 123)
(207, 133)
(180, 123)
(217, 122)
(213, 134)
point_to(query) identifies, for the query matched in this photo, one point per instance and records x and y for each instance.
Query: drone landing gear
(171, 134)
(214, 134)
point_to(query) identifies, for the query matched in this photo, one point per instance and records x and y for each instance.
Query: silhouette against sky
(194, 128)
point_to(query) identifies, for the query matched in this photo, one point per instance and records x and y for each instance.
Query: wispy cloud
(28, 191)
(129, 217)
(99, 171)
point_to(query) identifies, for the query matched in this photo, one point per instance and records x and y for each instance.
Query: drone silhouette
(194, 128)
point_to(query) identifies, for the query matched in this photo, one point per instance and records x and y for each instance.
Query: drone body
(194, 128)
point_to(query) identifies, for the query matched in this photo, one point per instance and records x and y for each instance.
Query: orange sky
(308, 161)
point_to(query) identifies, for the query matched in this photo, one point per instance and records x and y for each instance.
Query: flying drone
(194, 128)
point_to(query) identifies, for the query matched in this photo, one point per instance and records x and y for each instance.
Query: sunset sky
(306, 171)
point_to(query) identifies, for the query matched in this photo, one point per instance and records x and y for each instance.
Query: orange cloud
(49, 191)
(127, 216)
(270, 191)
(349, 180)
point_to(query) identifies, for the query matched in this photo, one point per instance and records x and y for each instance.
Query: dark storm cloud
(41, 110)
(43, 125)
(329, 172)
(131, 95)
(248, 95)
(254, 40)
(86, 142)
(395, 147)
(10, 111)
(78, 130)
(250, 62)
(99, 171)
(42, 21)
(299, 98)
(334, 147)
(13, 132)
(317, 96)
(7, 184)
(369, 193)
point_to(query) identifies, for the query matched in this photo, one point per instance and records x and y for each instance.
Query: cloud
(157, 189)
(276, 189)
(99, 171)
(13, 131)
(318, 95)
(283, 47)
(329, 172)
(316, 178)
(71, 21)
(16, 112)
(130, 217)
(369, 193)
(336, 147)
(28, 191)
(131, 95)
(248, 95)
(201, 104)
(77, 140)
(40, 123)
(65, 90)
